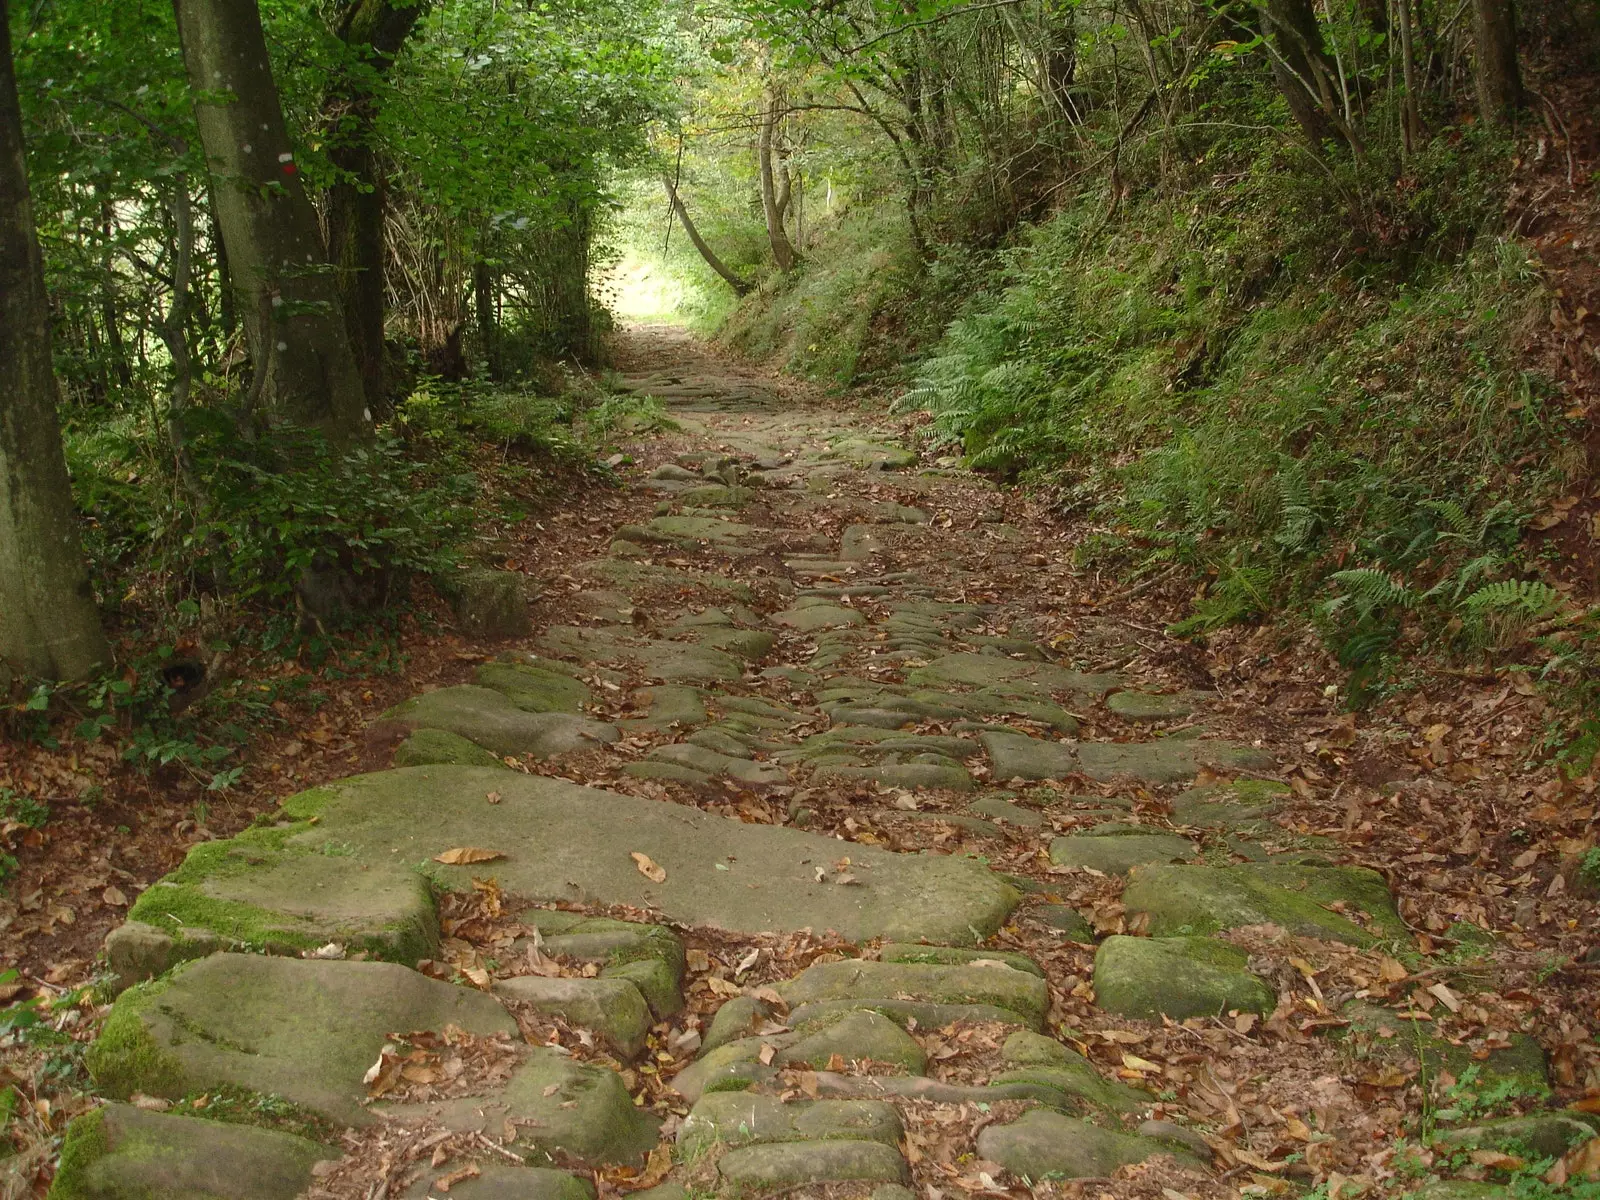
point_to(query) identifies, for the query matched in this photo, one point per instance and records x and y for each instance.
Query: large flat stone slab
(306, 1030)
(124, 1153)
(1009, 675)
(1319, 902)
(1170, 760)
(1043, 1144)
(1177, 977)
(566, 842)
(492, 720)
(670, 662)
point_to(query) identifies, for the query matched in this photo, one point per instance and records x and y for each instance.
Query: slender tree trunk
(1500, 91)
(782, 251)
(483, 302)
(288, 296)
(49, 625)
(1302, 68)
(741, 287)
(375, 30)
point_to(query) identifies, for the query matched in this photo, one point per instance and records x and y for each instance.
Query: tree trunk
(375, 30)
(741, 287)
(483, 302)
(782, 251)
(1301, 66)
(288, 296)
(49, 625)
(1500, 92)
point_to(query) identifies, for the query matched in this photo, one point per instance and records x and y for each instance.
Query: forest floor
(835, 781)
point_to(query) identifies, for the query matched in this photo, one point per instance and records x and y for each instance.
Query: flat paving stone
(1043, 1144)
(786, 1164)
(1117, 854)
(1200, 900)
(999, 672)
(120, 1152)
(818, 616)
(496, 1181)
(565, 842)
(306, 1030)
(489, 719)
(1178, 977)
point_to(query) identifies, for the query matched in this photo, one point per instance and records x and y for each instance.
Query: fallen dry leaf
(649, 868)
(462, 855)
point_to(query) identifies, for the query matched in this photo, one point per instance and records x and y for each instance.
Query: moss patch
(85, 1145)
(125, 1059)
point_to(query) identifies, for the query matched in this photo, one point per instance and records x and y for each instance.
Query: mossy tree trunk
(1304, 72)
(777, 237)
(49, 625)
(374, 30)
(741, 287)
(287, 294)
(1499, 79)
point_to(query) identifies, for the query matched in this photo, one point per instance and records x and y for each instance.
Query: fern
(1368, 590)
(1531, 598)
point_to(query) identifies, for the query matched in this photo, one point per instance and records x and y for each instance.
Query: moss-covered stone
(561, 1110)
(489, 719)
(1151, 706)
(908, 952)
(492, 604)
(439, 747)
(781, 1164)
(1176, 977)
(1540, 1135)
(533, 689)
(747, 1118)
(497, 1181)
(1377, 1033)
(1117, 854)
(855, 1037)
(305, 1030)
(123, 1153)
(1243, 806)
(1043, 1144)
(990, 983)
(279, 890)
(611, 1007)
(998, 673)
(1199, 900)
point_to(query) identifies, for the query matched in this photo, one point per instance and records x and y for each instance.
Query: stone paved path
(792, 651)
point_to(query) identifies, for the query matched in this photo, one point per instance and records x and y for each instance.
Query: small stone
(1202, 900)
(439, 747)
(1043, 1144)
(1177, 1135)
(1065, 920)
(1006, 812)
(532, 689)
(1148, 706)
(997, 986)
(746, 1118)
(908, 952)
(1118, 854)
(491, 604)
(786, 1164)
(496, 1181)
(120, 1152)
(857, 1037)
(738, 1018)
(611, 1007)
(1541, 1135)
(1178, 977)
(486, 717)
(670, 705)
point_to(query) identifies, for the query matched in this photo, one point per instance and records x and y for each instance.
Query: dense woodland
(1247, 284)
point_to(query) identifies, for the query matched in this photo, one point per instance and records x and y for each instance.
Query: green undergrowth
(1311, 402)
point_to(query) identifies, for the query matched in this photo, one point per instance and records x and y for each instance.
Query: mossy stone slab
(670, 662)
(1243, 806)
(785, 1164)
(1018, 756)
(306, 1030)
(492, 604)
(1044, 1144)
(638, 578)
(440, 747)
(906, 952)
(998, 808)
(124, 1153)
(565, 842)
(1377, 1032)
(1199, 900)
(664, 772)
(814, 617)
(668, 705)
(486, 717)
(1178, 977)
(1117, 854)
(1065, 920)
(863, 452)
(712, 763)
(1153, 706)
(948, 775)
(265, 891)
(612, 1008)
(533, 689)
(1536, 1136)
(1170, 760)
(995, 671)
(559, 1107)
(749, 1118)
(752, 645)
(989, 983)
(497, 1181)
(856, 1037)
